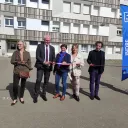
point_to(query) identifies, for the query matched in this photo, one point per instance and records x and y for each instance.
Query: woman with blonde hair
(22, 65)
(75, 71)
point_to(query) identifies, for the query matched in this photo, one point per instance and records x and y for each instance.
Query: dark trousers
(58, 76)
(16, 80)
(94, 79)
(40, 73)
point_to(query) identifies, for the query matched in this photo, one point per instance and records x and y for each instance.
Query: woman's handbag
(23, 74)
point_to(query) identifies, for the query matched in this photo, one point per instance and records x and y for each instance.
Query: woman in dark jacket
(22, 65)
(61, 69)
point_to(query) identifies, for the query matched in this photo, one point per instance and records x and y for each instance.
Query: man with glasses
(45, 57)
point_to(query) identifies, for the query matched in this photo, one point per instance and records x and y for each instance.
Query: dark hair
(63, 45)
(99, 42)
(74, 45)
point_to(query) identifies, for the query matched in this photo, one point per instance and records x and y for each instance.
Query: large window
(56, 27)
(45, 1)
(33, 45)
(119, 32)
(76, 8)
(76, 29)
(34, 0)
(109, 50)
(95, 11)
(114, 13)
(12, 46)
(9, 1)
(21, 23)
(66, 7)
(22, 2)
(86, 9)
(118, 50)
(93, 47)
(85, 29)
(84, 48)
(45, 25)
(33, 42)
(66, 28)
(94, 30)
(9, 21)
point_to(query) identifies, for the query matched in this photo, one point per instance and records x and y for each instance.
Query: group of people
(63, 65)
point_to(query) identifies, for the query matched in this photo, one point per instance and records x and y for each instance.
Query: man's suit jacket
(92, 59)
(40, 56)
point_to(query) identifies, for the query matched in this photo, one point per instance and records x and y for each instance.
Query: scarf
(61, 56)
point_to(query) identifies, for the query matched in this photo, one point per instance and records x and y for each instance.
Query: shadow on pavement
(30, 87)
(10, 89)
(110, 86)
(50, 89)
(81, 91)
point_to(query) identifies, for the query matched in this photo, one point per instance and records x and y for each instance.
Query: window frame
(9, 47)
(119, 32)
(79, 9)
(35, 1)
(9, 1)
(89, 9)
(22, 26)
(9, 18)
(21, 2)
(84, 48)
(70, 7)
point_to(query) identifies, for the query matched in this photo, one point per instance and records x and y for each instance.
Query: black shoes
(97, 97)
(92, 97)
(35, 100)
(73, 96)
(76, 97)
(44, 97)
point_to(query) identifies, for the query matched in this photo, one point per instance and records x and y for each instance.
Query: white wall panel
(33, 24)
(2, 1)
(103, 31)
(108, 12)
(31, 4)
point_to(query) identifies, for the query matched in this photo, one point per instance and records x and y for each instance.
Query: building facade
(66, 21)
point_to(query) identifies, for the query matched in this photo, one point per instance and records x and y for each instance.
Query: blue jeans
(94, 79)
(58, 76)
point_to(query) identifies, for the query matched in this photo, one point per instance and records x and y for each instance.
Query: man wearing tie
(45, 57)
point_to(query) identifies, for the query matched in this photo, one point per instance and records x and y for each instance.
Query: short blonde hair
(24, 43)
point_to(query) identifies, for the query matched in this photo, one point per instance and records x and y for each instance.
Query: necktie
(46, 52)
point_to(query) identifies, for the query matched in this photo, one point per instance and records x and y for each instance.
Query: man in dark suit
(96, 61)
(45, 57)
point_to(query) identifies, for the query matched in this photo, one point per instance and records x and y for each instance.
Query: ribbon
(87, 64)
